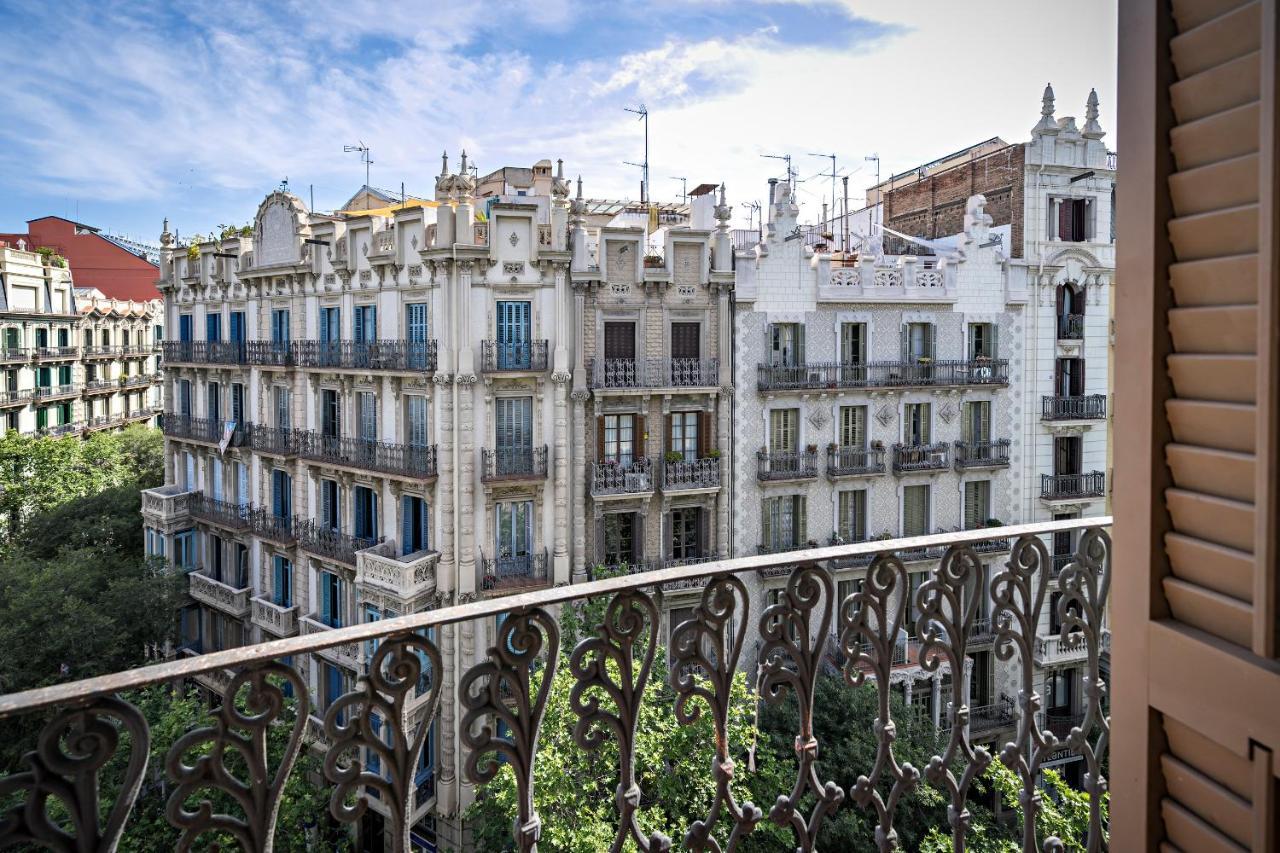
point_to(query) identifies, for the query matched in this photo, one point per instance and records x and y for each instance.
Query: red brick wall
(96, 261)
(934, 207)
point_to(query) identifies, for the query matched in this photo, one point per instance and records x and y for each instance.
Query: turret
(1046, 123)
(464, 213)
(577, 231)
(1092, 129)
(723, 258)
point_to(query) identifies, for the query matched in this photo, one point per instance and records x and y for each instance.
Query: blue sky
(122, 113)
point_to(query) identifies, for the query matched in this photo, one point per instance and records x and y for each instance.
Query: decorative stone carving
(561, 378)
(818, 417)
(885, 415)
(512, 267)
(513, 239)
(947, 412)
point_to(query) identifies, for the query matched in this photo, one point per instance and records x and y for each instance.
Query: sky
(119, 114)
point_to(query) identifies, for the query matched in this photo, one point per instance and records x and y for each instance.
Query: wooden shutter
(766, 521)
(406, 524)
(642, 446)
(799, 521)
(686, 340)
(637, 538)
(600, 438)
(704, 532)
(704, 434)
(1064, 220)
(620, 340)
(1195, 685)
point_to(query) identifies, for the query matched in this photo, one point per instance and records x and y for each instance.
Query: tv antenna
(832, 175)
(366, 157)
(684, 188)
(879, 192)
(643, 112)
(791, 173)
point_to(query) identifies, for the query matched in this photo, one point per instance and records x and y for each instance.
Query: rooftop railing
(882, 374)
(858, 637)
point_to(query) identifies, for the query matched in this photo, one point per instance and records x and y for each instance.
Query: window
(236, 329)
(213, 395)
(784, 526)
(513, 433)
(1064, 547)
(365, 502)
(331, 599)
(914, 581)
(1066, 454)
(846, 588)
(853, 343)
(413, 525)
(853, 426)
(784, 430)
(918, 341)
(280, 326)
(514, 321)
(282, 407)
(915, 510)
(1060, 690)
(1069, 377)
(334, 685)
(514, 531)
(916, 422)
(977, 503)
(686, 340)
(1073, 219)
(330, 413)
(975, 424)
(330, 505)
(618, 439)
(686, 533)
(184, 549)
(982, 341)
(281, 495)
(417, 416)
(213, 327)
(786, 344)
(1055, 620)
(281, 581)
(620, 539)
(620, 341)
(189, 478)
(44, 377)
(416, 329)
(215, 478)
(241, 565)
(852, 515)
(684, 435)
(184, 397)
(237, 402)
(368, 403)
(365, 325)
(184, 328)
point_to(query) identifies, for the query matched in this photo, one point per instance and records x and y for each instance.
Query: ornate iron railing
(497, 356)
(47, 392)
(921, 457)
(406, 355)
(881, 374)
(205, 352)
(786, 464)
(611, 373)
(316, 538)
(59, 430)
(10, 354)
(1092, 407)
(405, 459)
(784, 646)
(220, 512)
(853, 461)
(277, 528)
(9, 397)
(1070, 327)
(513, 463)
(513, 572)
(278, 440)
(204, 429)
(102, 352)
(1090, 485)
(982, 454)
(268, 353)
(693, 474)
(618, 478)
(101, 385)
(45, 353)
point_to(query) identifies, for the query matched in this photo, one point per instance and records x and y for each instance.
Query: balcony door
(619, 341)
(916, 424)
(620, 539)
(413, 525)
(330, 413)
(1069, 377)
(687, 534)
(683, 435)
(786, 344)
(185, 333)
(513, 434)
(1067, 455)
(513, 541)
(975, 427)
(853, 427)
(330, 329)
(918, 341)
(618, 439)
(515, 321)
(415, 324)
(784, 431)
(686, 350)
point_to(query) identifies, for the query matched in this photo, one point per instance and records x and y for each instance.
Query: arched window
(1070, 311)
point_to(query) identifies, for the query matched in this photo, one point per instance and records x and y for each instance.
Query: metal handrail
(621, 373)
(981, 454)
(513, 463)
(1089, 407)
(786, 465)
(498, 356)
(882, 374)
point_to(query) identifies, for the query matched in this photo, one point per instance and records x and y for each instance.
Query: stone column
(446, 572)
(560, 542)
(724, 424)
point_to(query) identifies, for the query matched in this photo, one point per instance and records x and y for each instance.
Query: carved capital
(561, 377)
(467, 379)
(580, 396)
(442, 379)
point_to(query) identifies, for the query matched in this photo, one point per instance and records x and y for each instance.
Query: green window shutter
(766, 522)
(926, 418)
(931, 340)
(858, 529)
(967, 422)
(799, 343)
(970, 505)
(983, 426)
(800, 525)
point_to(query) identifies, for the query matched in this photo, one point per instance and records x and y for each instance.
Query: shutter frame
(600, 438)
(704, 434)
(800, 521)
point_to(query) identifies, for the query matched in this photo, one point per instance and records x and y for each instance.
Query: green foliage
(226, 231)
(51, 257)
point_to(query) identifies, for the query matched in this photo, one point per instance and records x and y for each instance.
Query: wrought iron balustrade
(53, 353)
(687, 475)
(268, 353)
(46, 392)
(209, 430)
(1070, 327)
(621, 478)
(785, 643)
(1088, 408)
(102, 352)
(394, 354)
(854, 461)
(499, 356)
(317, 538)
(982, 454)
(1089, 485)
(513, 571)
(59, 430)
(921, 457)
(622, 373)
(101, 385)
(279, 440)
(11, 354)
(881, 374)
(786, 464)
(404, 459)
(14, 396)
(513, 463)
(206, 352)
(220, 512)
(135, 381)
(281, 529)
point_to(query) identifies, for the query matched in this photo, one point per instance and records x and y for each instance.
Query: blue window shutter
(277, 495)
(326, 598)
(406, 525)
(423, 518)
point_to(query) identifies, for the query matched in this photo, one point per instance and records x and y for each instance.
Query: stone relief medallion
(948, 412)
(884, 415)
(818, 417)
(514, 239)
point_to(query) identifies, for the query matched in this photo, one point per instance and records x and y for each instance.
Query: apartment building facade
(367, 416)
(71, 365)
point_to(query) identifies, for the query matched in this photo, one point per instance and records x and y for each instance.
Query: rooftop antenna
(791, 173)
(684, 188)
(832, 175)
(879, 194)
(643, 112)
(753, 211)
(366, 157)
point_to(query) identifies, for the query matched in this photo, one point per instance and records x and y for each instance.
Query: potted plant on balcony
(673, 456)
(653, 262)
(877, 444)
(994, 522)
(713, 453)
(811, 448)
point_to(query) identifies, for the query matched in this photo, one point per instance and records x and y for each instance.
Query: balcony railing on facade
(513, 463)
(266, 524)
(59, 430)
(854, 461)
(1088, 408)
(276, 619)
(624, 477)
(9, 355)
(98, 422)
(882, 374)
(98, 352)
(641, 565)
(319, 539)
(503, 356)
(230, 598)
(513, 572)
(910, 458)
(642, 373)
(16, 396)
(394, 354)
(982, 454)
(141, 380)
(687, 475)
(205, 352)
(280, 441)
(405, 460)
(56, 353)
(53, 392)
(1065, 486)
(786, 464)
(1070, 327)
(222, 513)
(865, 643)
(209, 430)
(136, 351)
(98, 386)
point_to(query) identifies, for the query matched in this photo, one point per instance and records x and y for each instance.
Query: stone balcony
(346, 654)
(1053, 649)
(406, 576)
(225, 597)
(167, 507)
(274, 619)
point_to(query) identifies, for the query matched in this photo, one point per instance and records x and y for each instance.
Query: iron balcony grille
(60, 430)
(852, 461)
(11, 397)
(982, 454)
(623, 373)
(786, 464)
(43, 353)
(103, 352)
(136, 381)
(402, 355)
(514, 571)
(402, 459)
(316, 538)
(1090, 485)
(268, 353)
(621, 478)
(514, 463)
(278, 440)
(499, 356)
(281, 529)
(204, 429)
(101, 385)
(882, 374)
(921, 457)
(691, 474)
(9, 354)
(1092, 407)
(220, 512)
(205, 352)
(1071, 327)
(46, 392)
(864, 637)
